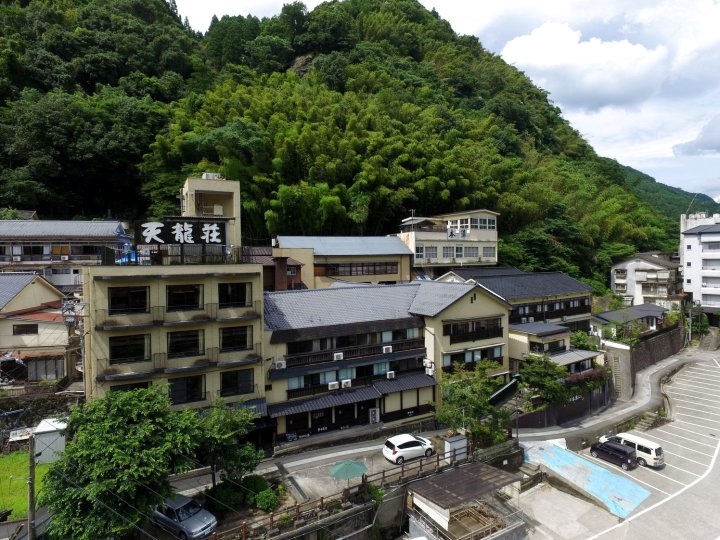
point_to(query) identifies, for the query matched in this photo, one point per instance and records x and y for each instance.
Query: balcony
(180, 398)
(239, 390)
(320, 357)
(485, 333)
(238, 356)
(316, 389)
(162, 316)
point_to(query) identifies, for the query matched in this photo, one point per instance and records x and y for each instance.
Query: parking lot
(689, 439)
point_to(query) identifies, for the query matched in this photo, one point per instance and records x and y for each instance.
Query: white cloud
(587, 74)
(707, 142)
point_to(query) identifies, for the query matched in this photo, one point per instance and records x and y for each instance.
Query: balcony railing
(178, 398)
(485, 333)
(319, 357)
(316, 389)
(160, 315)
(239, 390)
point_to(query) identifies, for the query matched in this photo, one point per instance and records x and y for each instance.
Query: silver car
(185, 518)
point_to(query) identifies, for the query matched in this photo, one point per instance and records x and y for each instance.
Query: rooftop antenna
(689, 205)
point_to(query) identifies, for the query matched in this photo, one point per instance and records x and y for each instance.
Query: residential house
(551, 297)
(549, 339)
(33, 335)
(700, 259)
(59, 250)
(648, 278)
(441, 242)
(358, 354)
(645, 318)
(361, 259)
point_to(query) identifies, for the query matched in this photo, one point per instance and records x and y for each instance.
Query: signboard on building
(180, 231)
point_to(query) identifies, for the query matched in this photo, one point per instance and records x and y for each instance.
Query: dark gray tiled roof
(631, 313)
(11, 283)
(341, 397)
(312, 308)
(574, 355)
(259, 404)
(39, 229)
(409, 381)
(263, 255)
(664, 263)
(347, 245)
(533, 285)
(701, 229)
(539, 328)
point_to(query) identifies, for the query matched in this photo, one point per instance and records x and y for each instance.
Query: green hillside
(336, 121)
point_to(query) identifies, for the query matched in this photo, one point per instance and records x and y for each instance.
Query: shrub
(253, 485)
(224, 498)
(376, 493)
(266, 500)
(280, 491)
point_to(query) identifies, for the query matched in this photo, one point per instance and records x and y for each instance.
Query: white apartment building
(700, 257)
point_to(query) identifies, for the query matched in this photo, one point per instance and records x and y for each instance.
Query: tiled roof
(11, 283)
(325, 401)
(631, 313)
(40, 316)
(701, 229)
(574, 355)
(486, 271)
(263, 255)
(539, 328)
(39, 229)
(258, 404)
(310, 308)
(533, 285)
(400, 383)
(347, 245)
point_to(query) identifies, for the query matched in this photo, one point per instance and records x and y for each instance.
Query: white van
(648, 452)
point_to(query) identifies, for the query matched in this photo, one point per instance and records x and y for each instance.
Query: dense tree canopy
(339, 120)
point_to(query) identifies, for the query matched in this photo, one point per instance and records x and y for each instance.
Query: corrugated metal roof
(533, 285)
(39, 229)
(573, 355)
(347, 245)
(400, 383)
(11, 283)
(341, 397)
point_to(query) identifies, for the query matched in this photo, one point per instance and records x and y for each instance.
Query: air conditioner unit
(346, 383)
(333, 385)
(387, 349)
(338, 356)
(17, 258)
(64, 257)
(374, 415)
(427, 362)
(523, 320)
(390, 374)
(531, 319)
(430, 371)
(280, 364)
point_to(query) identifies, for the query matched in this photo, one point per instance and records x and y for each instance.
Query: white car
(400, 448)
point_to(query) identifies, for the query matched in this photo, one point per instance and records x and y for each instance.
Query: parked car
(185, 518)
(615, 453)
(400, 448)
(649, 453)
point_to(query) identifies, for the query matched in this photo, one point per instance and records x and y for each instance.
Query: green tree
(581, 340)
(465, 396)
(114, 470)
(543, 381)
(223, 429)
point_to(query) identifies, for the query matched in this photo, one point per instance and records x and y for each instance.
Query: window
(126, 349)
(689, 246)
(419, 252)
(688, 281)
(464, 223)
(688, 264)
(381, 369)
(240, 381)
(187, 389)
(236, 338)
(431, 252)
(472, 252)
(185, 343)
(24, 329)
(474, 223)
(127, 300)
(489, 252)
(184, 297)
(292, 271)
(346, 373)
(236, 294)
(448, 252)
(458, 252)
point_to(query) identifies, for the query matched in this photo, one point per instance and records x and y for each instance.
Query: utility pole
(31, 490)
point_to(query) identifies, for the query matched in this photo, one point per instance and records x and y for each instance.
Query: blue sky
(638, 80)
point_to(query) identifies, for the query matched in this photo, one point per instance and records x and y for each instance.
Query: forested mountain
(335, 121)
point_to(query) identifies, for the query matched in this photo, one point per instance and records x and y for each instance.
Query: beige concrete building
(196, 328)
(211, 196)
(445, 241)
(327, 260)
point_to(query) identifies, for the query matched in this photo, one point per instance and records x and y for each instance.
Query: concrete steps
(647, 421)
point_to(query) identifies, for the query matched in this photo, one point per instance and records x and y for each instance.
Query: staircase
(709, 341)
(618, 379)
(647, 421)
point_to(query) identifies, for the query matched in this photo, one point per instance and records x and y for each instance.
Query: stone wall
(655, 348)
